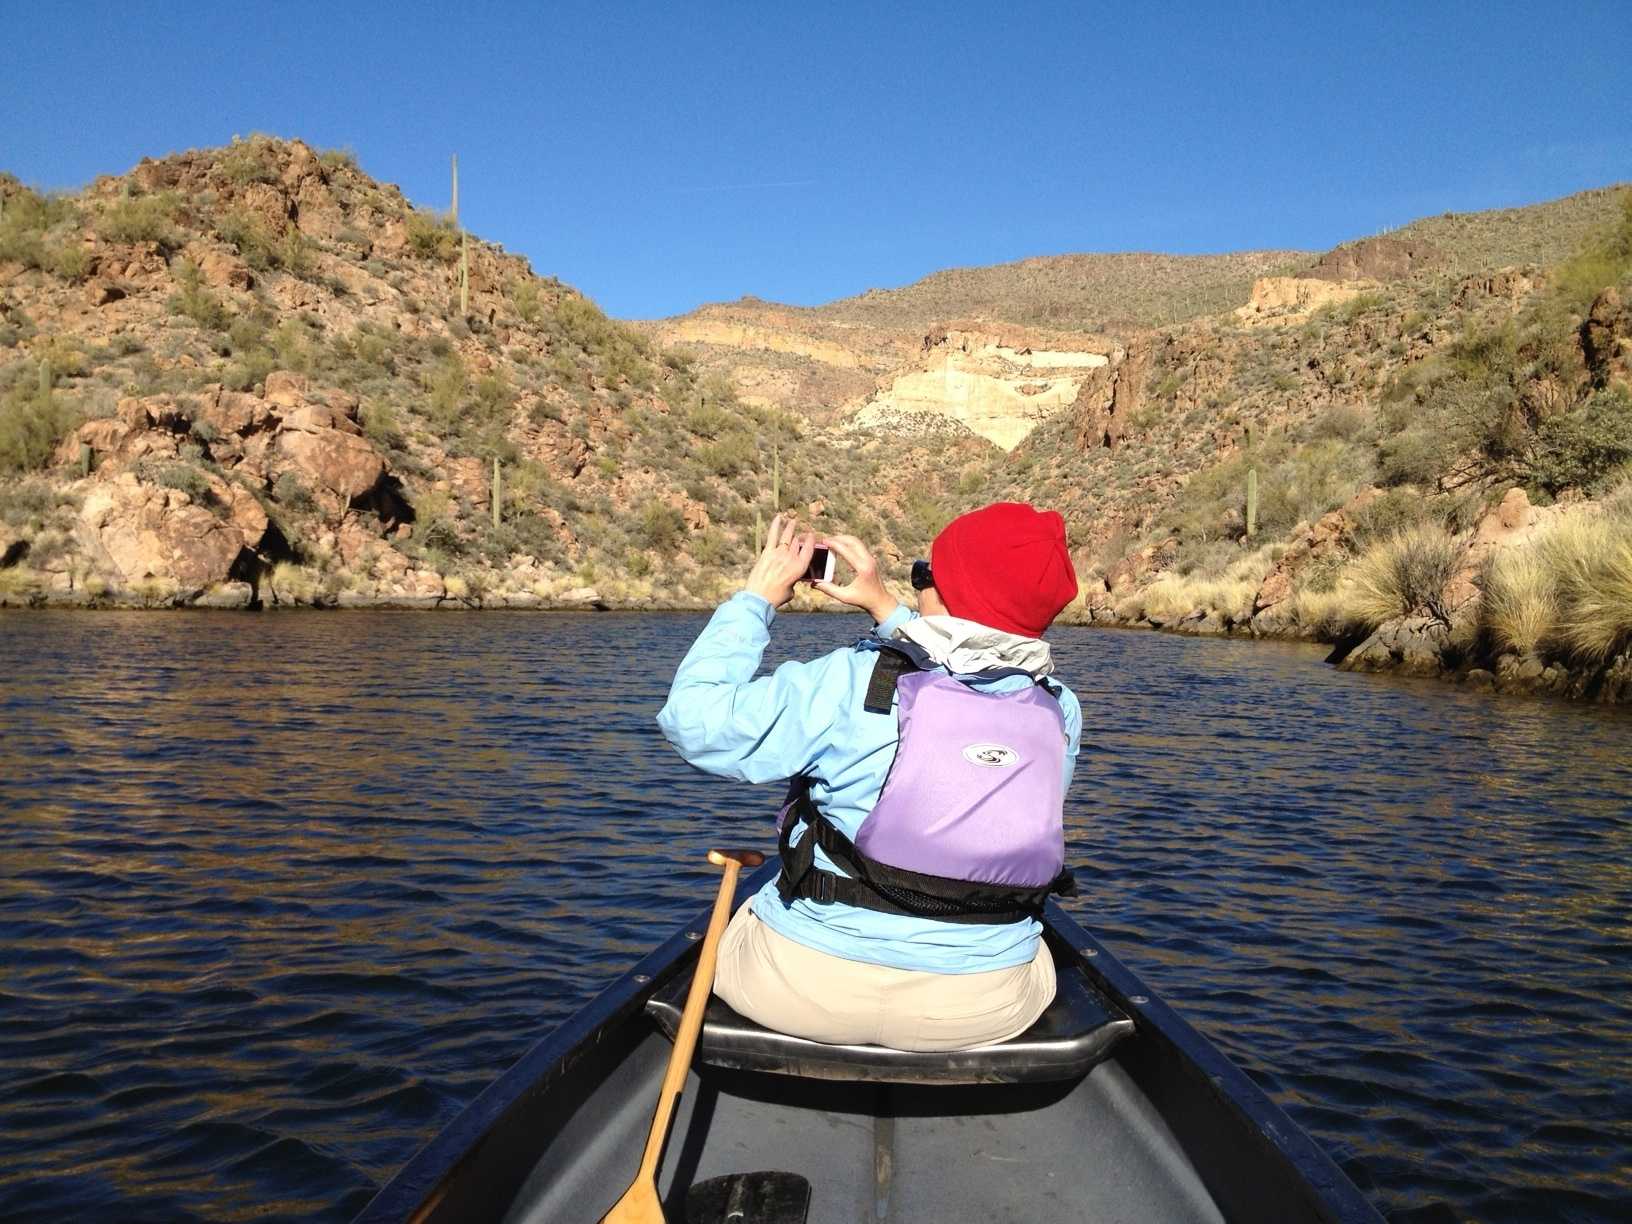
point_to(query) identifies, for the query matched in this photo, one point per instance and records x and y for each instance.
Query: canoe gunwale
(413, 1193)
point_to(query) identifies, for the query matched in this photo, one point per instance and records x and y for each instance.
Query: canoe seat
(1078, 1030)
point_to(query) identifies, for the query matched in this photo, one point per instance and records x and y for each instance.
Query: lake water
(279, 894)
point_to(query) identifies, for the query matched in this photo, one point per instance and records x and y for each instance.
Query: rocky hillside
(255, 374)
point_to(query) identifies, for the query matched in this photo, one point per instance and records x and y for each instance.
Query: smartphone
(821, 566)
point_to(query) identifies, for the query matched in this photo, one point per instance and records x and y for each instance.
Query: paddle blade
(749, 1198)
(639, 1205)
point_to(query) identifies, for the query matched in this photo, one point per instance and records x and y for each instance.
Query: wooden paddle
(640, 1204)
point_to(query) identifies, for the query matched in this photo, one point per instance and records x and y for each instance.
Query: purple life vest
(970, 824)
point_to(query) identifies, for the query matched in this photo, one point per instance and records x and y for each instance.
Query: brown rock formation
(1109, 396)
(1379, 259)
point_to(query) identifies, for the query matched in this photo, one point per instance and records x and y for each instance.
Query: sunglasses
(922, 579)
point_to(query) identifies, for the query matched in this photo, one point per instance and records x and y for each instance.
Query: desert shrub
(662, 526)
(291, 492)
(245, 161)
(707, 421)
(194, 300)
(732, 453)
(337, 159)
(141, 219)
(71, 261)
(1519, 604)
(185, 477)
(1343, 422)
(1585, 448)
(1406, 575)
(249, 369)
(433, 235)
(381, 424)
(445, 391)
(525, 298)
(27, 217)
(249, 234)
(33, 418)
(1394, 512)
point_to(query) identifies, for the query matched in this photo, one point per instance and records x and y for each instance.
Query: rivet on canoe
(1138, 999)
(1090, 951)
(641, 977)
(694, 934)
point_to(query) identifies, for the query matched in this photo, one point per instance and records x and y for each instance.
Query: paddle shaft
(640, 1200)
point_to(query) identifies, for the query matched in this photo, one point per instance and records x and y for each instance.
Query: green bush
(71, 261)
(662, 526)
(291, 492)
(433, 235)
(141, 219)
(732, 453)
(194, 301)
(32, 420)
(245, 161)
(185, 477)
(525, 298)
(1584, 449)
(249, 234)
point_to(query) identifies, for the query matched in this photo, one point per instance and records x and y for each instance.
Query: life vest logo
(993, 756)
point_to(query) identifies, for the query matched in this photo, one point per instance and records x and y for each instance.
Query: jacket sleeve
(1071, 711)
(725, 722)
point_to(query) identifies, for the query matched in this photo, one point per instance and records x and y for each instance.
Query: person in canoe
(928, 764)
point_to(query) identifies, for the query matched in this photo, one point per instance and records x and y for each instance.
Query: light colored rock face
(727, 333)
(141, 533)
(996, 386)
(1291, 299)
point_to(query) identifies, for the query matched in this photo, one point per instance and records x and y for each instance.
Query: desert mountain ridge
(253, 374)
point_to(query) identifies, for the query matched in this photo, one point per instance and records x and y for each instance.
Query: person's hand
(782, 563)
(865, 590)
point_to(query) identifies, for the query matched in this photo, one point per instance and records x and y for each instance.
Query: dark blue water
(279, 894)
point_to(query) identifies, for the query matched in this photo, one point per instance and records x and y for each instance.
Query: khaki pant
(786, 986)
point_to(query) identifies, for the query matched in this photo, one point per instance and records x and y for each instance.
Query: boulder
(224, 271)
(286, 389)
(136, 532)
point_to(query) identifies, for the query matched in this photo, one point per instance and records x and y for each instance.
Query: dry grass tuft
(1406, 575)
(1588, 562)
(1520, 603)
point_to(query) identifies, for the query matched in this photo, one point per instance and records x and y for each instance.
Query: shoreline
(1412, 647)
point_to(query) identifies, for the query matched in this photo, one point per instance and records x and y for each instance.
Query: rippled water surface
(279, 894)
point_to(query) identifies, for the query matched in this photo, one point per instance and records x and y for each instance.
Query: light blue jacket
(807, 718)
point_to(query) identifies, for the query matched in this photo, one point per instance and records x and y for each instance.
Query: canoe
(1110, 1108)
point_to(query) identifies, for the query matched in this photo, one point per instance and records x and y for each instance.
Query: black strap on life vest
(872, 885)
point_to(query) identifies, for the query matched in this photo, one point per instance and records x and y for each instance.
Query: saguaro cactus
(45, 382)
(1252, 502)
(498, 491)
(453, 212)
(464, 275)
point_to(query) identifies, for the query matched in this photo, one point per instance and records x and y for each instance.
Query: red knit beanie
(1006, 566)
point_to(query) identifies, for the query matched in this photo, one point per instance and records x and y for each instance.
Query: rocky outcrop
(138, 533)
(999, 383)
(1109, 396)
(1376, 259)
(1291, 299)
(1606, 339)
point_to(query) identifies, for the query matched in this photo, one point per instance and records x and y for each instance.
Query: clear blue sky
(662, 155)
